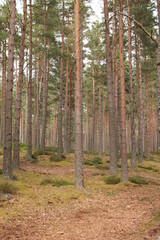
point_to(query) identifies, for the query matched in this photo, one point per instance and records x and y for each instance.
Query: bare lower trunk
(29, 127)
(124, 170)
(3, 92)
(60, 143)
(133, 134)
(7, 157)
(66, 97)
(79, 179)
(100, 145)
(112, 128)
(16, 162)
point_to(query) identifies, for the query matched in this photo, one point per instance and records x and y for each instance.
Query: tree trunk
(66, 97)
(124, 167)
(112, 128)
(44, 108)
(133, 134)
(3, 91)
(147, 138)
(79, 178)
(70, 111)
(140, 105)
(158, 81)
(93, 112)
(7, 157)
(16, 154)
(29, 127)
(60, 144)
(35, 101)
(100, 142)
(26, 103)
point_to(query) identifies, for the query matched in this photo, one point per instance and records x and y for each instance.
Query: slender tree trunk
(70, 111)
(112, 128)
(133, 134)
(158, 80)
(140, 106)
(100, 145)
(60, 144)
(7, 157)
(29, 127)
(26, 103)
(66, 97)
(93, 112)
(44, 108)
(16, 154)
(147, 139)
(35, 101)
(79, 178)
(124, 170)
(3, 91)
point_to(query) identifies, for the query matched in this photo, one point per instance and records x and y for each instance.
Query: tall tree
(112, 129)
(133, 135)
(16, 162)
(29, 125)
(7, 158)
(124, 170)
(60, 143)
(158, 79)
(79, 178)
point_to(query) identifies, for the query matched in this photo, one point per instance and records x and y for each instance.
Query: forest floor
(41, 211)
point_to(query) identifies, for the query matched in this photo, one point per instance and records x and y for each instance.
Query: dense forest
(79, 93)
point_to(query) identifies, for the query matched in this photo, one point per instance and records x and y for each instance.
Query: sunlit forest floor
(42, 202)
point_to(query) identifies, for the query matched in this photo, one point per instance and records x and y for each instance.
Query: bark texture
(79, 178)
(124, 169)
(16, 153)
(112, 129)
(7, 157)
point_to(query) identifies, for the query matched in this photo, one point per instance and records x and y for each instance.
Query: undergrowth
(55, 183)
(138, 180)
(7, 187)
(112, 180)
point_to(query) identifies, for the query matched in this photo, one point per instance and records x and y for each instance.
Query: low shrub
(7, 187)
(55, 183)
(23, 147)
(102, 167)
(92, 162)
(138, 180)
(55, 158)
(147, 168)
(112, 180)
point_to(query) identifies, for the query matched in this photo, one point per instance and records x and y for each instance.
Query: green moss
(7, 187)
(112, 180)
(138, 180)
(55, 183)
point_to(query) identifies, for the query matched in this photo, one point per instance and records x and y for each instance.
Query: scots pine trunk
(29, 127)
(140, 105)
(7, 157)
(79, 178)
(112, 128)
(124, 167)
(35, 101)
(158, 80)
(26, 104)
(147, 123)
(60, 143)
(44, 108)
(133, 133)
(3, 90)
(16, 154)
(100, 142)
(93, 111)
(70, 111)
(66, 96)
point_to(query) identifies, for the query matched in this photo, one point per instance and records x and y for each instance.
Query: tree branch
(141, 27)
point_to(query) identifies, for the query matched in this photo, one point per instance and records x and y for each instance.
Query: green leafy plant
(138, 180)
(112, 180)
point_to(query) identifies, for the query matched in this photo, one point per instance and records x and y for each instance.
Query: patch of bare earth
(121, 217)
